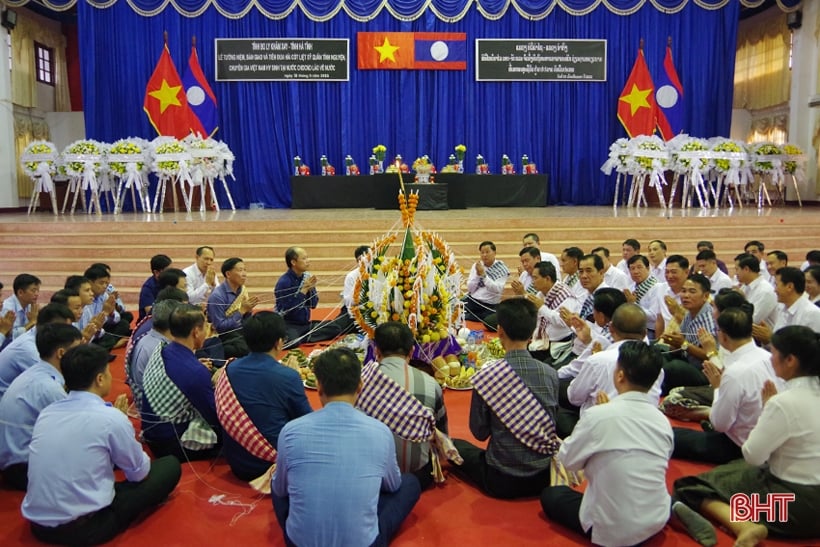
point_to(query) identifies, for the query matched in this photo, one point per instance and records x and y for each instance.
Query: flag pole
(669, 41)
(165, 37)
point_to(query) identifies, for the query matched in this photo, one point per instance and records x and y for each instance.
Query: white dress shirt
(624, 267)
(350, 284)
(802, 312)
(622, 446)
(649, 302)
(760, 293)
(720, 280)
(20, 315)
(489, 287)
(787, 434)
(526, 280)
(550, 326)
(737, 404)
(658, 271)
(552, 259)
(662, 290)
(197, 288)
(584, 352)
(617, 279)
(597, 375)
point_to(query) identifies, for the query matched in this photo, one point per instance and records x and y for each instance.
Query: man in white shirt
(622, 446)
(628, 323)
(706, 264)
(774, 261)
(530, 256)
(795, 308)
(485, 284)
(343, 323)
(756, 289)
(613, 277)
(669, 293)
(201, 276)
(570, 259)
(552, 336)
(736, 404)
(532, 240)
(643, 291)
(657, 258)
(629, 248)
(756, 248)
(591, 277)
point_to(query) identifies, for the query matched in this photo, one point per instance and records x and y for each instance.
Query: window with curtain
(763, 75)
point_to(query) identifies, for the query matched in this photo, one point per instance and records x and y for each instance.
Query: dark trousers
(393, 508)
(562, 504)
(174, 448)
(425, 475)
(212, 349)
(492, 481)
(114, 332)
(328, 330)
(233, 344)
(16, 476)
(678, 372)
(704, 446)
(476, 310)
(131, 499)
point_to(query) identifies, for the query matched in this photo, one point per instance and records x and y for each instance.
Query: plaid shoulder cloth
(557, 294)
(385, 400)
(171, 405)
(643, 287)
(512, 401)
(129, 349)
(236, 423)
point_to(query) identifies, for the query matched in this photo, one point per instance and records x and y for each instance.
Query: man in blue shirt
(178, 407)
(223, 299)
(117, 326)
(23, 303)
(28, 395)
(336, 480)
(269, 395)
(296, 295)
(22, 353)
(150, 288)
(72, 497)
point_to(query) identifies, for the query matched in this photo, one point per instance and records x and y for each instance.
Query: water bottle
(471, 351)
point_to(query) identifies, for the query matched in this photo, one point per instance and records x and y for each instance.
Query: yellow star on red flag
(167, 95)
(386, 51)
(636, 99)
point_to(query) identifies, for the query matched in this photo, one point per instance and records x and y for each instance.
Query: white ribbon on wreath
(133, 174)
(42, 172)
(44, 181)
(617, 158)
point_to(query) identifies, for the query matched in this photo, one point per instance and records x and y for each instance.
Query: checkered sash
(170, 404)
(512, 401)
(643, 287)
(236, 423)
(556, 295)
(571, 280)
(385, 400)
(129, 349)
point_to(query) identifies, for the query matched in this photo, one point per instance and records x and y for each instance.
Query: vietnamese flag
(412, 50)
(637, 110)
(165, 101)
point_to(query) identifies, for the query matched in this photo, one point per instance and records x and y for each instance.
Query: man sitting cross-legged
(28, 395)
(336, 480)
(736, 404)
(256, 396)
(517, 460)
(178, 409)
(622, 446)
(552, 338)
(405, 399)
(72, 497)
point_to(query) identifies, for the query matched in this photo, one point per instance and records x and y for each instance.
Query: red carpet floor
(211, 507)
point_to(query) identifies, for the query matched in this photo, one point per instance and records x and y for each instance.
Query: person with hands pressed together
(779, 456)
(72, 496)
(530, 256)
(485, 285)
(201, 276)
(229, 303)
(296, 296)
(23, 303)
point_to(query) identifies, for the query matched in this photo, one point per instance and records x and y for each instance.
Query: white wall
(8, 160)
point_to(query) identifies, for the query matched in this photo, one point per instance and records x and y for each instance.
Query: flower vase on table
(460, 151)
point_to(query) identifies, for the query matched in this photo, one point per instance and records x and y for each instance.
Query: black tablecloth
(451, 190)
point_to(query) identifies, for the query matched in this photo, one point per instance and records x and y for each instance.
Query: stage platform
(55, 247)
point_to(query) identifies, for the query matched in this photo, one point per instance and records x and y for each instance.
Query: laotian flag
(669, 98)
(412, 50)
(201, 98)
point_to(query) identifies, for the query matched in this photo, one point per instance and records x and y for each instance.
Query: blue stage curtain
(566, 128)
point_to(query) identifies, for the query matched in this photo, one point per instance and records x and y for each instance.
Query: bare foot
(751, 535)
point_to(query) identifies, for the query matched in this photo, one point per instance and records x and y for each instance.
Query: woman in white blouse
(781, 455)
